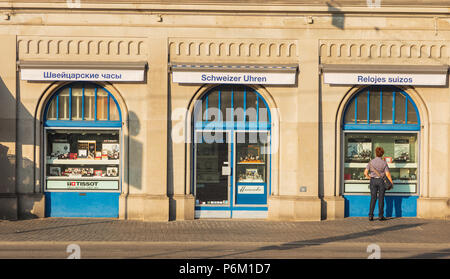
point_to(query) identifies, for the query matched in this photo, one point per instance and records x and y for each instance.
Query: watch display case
(400, 152)
(251, 158)
(82, 155)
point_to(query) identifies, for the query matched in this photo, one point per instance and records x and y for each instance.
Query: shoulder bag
(387, 183)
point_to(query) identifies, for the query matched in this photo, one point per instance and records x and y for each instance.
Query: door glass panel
(251, 157)
(211, 183)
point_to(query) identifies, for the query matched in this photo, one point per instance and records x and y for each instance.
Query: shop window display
(77, 156)
(251, 157)
(400, 154)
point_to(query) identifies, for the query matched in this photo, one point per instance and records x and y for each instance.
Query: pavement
(214, 238)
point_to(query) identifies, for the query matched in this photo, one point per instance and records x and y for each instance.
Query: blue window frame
(82, 104)
(381, 108)
(232, 107)
(241, 110)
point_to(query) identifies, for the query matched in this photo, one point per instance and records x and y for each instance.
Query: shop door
(251, 160)
(231, 174)
(212, 174)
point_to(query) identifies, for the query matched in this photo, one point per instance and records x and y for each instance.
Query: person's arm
(366, 173)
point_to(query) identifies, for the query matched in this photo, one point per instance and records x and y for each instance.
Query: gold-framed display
(250, 154)
(251, 174)
(251, 157)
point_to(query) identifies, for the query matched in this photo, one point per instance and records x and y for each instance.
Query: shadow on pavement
(445, 253)
(60, 227)
(320, 241)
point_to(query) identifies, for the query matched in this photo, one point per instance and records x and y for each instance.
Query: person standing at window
(376, 182)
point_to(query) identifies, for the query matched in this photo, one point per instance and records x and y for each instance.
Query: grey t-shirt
(380, 165)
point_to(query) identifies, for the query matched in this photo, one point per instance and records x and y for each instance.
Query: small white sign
(251, 189)
(81, 75)
(233, 77)
(385, 79)
(82, 185)
(226, 170)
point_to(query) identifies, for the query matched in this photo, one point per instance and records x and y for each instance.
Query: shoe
(370, 218)
(382, 219)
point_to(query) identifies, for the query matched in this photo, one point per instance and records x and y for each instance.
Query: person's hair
(379, 151)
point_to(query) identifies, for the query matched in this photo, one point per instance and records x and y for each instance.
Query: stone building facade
(328, 83)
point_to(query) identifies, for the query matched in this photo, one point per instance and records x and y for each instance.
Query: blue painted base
(81, 204)
(394, 206)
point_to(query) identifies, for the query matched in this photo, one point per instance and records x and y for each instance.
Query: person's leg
(381, 191)
(373, 197)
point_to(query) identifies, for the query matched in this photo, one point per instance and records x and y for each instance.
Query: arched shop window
(232, 150)
(83, 102)
(381, 108)
(82, 126)
(381, 116)
(227, 105)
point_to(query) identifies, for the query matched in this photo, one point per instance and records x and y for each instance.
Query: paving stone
(397, 230)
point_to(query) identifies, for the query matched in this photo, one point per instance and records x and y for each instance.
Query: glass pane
(89, 103)
(387, 107)
(63, 104)
(64, 147)
(113, 110)
(400, 103)
(225, 103)
(51, 114)
(77, 102)
(362, 108)
(251, 102)
(102, 105)
(213, 106)
(211, 185)
(358, 148)
(238, 103)
(400, 152)
(197, 110)
(251, 157)
(412, 115)
(374, 97)
(263, 111)
(350, 113)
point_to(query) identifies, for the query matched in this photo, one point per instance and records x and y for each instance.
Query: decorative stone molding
(353, 51)
(182, 49)
(33, 47)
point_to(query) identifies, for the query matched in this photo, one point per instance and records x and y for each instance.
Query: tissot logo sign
(83, 185)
